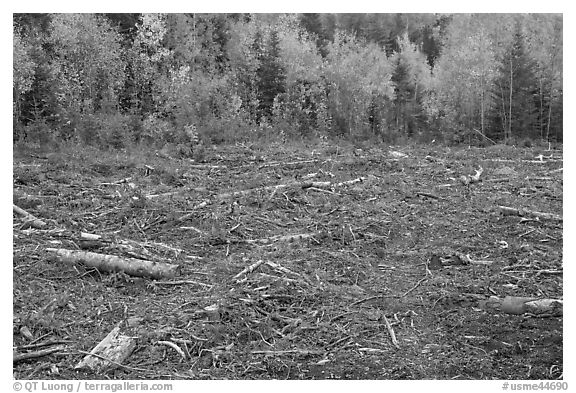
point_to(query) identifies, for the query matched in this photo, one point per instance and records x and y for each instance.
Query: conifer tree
(313, 25)
(271, 76)
(515, 92)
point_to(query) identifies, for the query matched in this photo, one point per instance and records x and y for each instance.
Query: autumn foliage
(114, 80)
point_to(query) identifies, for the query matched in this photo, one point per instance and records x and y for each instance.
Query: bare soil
(373, 257)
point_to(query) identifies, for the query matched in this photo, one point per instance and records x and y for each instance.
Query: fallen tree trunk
(29, 219)
(112, 263)
(296, 184)
(510, 211)
(525, 305)
(278, 238)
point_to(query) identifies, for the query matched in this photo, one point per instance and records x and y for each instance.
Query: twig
(287, 163)
(391, 332)
(125, 180)
(31, 355)
(549, 271)
(298, 351)
(338, 342)
(44, 344)
(282, 268)
(372, 350)
(188, 215)
(480, 132)
(322, 190)
(182, 282)
(194, 229)
(270, 221)
(527, 233)
(529, 178)
(414, 287)
(555, 171)
(426, 194)
(367, 299)
(249, 269)
(174, 347)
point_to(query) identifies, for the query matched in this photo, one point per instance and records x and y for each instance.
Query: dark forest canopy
(115, 79)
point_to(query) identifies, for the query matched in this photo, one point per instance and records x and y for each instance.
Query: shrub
(526, 142)
(157, 131)
(114, 130)
(39, 132)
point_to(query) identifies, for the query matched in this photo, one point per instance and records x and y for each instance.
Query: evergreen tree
(515, 92)
(126, 25)
(313, 25)
(376, 30)
(399, 27)
(403, 91)
(329, 23)
(271, 76)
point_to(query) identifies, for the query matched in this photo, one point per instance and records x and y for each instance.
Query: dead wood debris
(296, 184)
(525, 305)
(18, 357)
(29, 219)
(469, 179)
(510, 211)
(249, 269)
(112, 263)
(293, 303)
(391, 332)
(109, 353)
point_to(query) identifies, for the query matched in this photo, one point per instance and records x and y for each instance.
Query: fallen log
(510, 211)
(112, 263)
(206, 166)
(516, 305)
(29, 219)
(273, 164)
(111, 352)
(278, 238)
(296, 184)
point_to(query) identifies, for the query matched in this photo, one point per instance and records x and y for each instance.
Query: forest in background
(116, 80)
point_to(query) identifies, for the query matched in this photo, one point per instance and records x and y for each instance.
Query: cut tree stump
(110, 353)
(112, 263)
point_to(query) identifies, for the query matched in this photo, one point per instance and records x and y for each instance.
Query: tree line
(119, 79)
